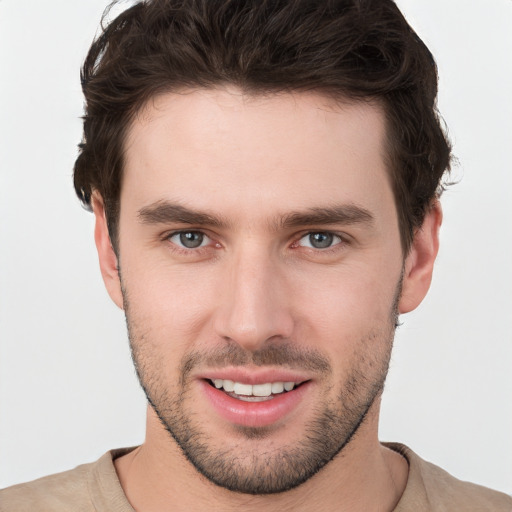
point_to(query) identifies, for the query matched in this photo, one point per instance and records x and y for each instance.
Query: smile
(258, 404)
(253, 392)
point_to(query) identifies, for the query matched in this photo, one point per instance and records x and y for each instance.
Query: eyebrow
(347, 214)
(162, 212)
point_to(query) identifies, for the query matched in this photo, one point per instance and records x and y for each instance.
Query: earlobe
(419, 263)
(106, 254)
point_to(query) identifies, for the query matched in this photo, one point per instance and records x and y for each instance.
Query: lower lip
(254, 414)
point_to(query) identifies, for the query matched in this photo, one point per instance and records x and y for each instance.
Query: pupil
(321, 240)
(191, 239)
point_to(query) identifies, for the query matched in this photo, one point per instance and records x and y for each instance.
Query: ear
(419, 263)
(106, 254)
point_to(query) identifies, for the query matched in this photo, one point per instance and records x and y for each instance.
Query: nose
(254, 305)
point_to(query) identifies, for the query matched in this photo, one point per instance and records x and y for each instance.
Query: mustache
(283, 354)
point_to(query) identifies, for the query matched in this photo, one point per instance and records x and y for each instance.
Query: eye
(319, 240)
(189, 239)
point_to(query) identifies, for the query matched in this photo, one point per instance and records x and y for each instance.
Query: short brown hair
(351, 49)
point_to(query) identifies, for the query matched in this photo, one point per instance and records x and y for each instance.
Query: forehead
(222, 149)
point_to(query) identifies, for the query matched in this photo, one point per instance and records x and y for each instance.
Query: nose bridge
(253, 308)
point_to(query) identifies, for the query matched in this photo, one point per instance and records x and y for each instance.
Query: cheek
(354, 325)
(341, 309)
(172, 302)
(352, 291)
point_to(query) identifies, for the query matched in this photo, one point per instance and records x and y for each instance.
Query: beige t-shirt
(95, 488)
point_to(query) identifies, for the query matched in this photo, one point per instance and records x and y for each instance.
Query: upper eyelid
(329, 231)
(296, 235)
(170, 233)
(309, 233)
(343, 236)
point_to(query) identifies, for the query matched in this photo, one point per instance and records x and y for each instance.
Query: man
(264, 178)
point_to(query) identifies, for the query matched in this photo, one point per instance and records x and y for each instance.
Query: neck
(364, 476)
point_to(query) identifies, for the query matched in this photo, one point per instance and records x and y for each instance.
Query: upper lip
(255, 375)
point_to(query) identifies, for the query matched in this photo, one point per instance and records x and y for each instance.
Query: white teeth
(242, 389)
(228, 385)
(277, 387)
(262, 389)
(257, 390)
(244, 398)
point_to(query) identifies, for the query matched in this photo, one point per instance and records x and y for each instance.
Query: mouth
(254, 392)
(251, 401)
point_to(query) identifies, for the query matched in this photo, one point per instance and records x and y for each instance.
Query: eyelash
(341, 243)
(189, 251)
(325, 250)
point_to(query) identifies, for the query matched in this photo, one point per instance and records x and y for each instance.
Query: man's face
(259, 250)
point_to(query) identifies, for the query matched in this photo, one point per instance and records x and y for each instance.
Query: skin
(256, 282)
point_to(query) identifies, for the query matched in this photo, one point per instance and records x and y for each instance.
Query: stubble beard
(254, 470)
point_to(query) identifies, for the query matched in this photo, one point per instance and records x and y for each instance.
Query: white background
(68, 391)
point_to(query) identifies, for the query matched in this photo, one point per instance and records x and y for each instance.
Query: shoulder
(87, 488)
(55, 492)
(431, 488)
